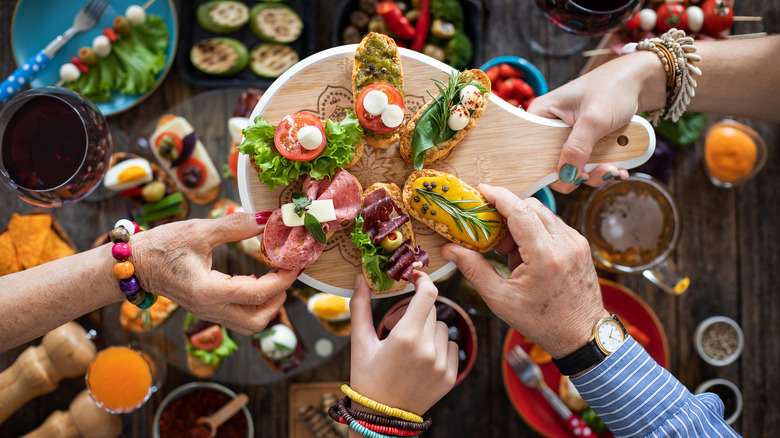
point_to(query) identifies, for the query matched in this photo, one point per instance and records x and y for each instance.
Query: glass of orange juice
(121, 378)
(733, 153)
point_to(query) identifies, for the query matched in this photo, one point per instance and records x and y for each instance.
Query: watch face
(609, 336)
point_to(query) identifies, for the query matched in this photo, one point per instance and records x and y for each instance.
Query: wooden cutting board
(508, 147)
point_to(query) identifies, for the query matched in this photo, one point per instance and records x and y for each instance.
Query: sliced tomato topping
(286, 136)
(374, 123)
(208, 339)
(192, 173)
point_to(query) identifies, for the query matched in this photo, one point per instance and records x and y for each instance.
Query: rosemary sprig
(465, 218)
(449, 96)
(146, 317)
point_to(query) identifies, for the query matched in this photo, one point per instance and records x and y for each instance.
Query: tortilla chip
(29, 233)
(8, 260)
(55, 248)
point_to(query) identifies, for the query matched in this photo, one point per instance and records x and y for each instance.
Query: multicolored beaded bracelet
(359, 428)
(378, 419)
(124, 269)
(378, 428)
(379, 407)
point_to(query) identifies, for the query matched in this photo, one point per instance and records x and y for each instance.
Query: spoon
(223, 414)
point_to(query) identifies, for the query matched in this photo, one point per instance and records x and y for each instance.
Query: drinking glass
(581, 19)
(54, 146)
(121, 378)
(632, 227)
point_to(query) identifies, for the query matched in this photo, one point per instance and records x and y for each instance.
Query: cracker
(55, 248)
(29, 234)
(9, 263)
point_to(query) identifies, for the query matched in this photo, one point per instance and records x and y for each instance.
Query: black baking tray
(472, 25)
(190, 32)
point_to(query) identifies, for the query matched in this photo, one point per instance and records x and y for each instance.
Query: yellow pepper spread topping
(443, 199)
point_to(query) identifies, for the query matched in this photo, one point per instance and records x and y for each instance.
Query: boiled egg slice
(128, 174)
(278, 342)
(332, 308)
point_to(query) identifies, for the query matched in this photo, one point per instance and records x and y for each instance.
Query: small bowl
(714, 386)
(545, 195)
(181, 390)
(533, 76)
(468, 333)
(712, 323)
(761, 153)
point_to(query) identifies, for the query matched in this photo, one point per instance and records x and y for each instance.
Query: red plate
(530, 403)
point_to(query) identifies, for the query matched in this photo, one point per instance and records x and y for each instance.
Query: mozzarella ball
(375, 102)
(101, 46)
(459, 118)
(279, 342)
(310, 137)
(135, 15)
(393, 116)
(471, 97)
(695, 18)
(69, 72)
(647, 19)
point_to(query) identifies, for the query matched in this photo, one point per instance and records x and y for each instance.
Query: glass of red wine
(581, 19)
(54, 146)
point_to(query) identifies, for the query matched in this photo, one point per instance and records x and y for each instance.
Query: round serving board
(508, 147)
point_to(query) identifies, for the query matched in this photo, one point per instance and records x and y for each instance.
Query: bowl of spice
(719, 340)
(179, 411)
(728, 393)
(733, 153)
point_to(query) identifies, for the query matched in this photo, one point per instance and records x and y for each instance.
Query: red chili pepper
(79, 64)
(395, 20)
(110, 34)
(423, 23)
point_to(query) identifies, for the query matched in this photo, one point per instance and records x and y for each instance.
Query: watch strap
(580, 360)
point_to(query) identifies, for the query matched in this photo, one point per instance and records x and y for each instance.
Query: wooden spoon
(224, 414)
(508, 147)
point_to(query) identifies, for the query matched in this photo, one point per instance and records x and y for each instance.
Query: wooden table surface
(730, 247)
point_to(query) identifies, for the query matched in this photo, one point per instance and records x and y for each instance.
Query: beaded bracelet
(124, 269)
(380, 420)
(379, 407)
(677, 53)
(359, 428)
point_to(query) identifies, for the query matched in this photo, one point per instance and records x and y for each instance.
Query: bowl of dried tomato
(515, 80)
(177, 414)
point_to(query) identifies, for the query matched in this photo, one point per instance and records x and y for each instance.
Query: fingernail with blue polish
(608, 176)
(567, 173)
(579, 181)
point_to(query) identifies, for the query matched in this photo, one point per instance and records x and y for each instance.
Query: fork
(531, 375)
(84, 20)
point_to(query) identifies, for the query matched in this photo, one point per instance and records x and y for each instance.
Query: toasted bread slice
(406, 231)
(376, 139)
(482, 245)
(131, 317)
(198, 368)
(443, 148)
(283, 319)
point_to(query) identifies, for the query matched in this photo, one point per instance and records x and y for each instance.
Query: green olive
(153, 192)
(122, 26)
(167, 149)
(393, 241)
(442, 29)
(87, 56)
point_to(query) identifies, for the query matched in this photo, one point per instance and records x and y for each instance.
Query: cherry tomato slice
(192, 173)
(374, 123)
(169, 138)
(208, 339)
(286, 136)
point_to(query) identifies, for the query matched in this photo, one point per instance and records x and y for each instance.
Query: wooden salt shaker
(64, 352)
(83, 419)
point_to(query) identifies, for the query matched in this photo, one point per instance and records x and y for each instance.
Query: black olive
(416, 199)
(425, 207)
(425, 184)
(433, 212)
(433, 184)
(191, 176)
(371, 67)
(444, 188)
(376, 74)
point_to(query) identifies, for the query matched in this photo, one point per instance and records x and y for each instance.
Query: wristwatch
(608, 335)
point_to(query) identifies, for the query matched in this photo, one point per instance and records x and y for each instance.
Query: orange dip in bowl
(730, 153)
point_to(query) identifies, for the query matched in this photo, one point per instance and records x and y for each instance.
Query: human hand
(416, 365)
(597, 104)
(174, 260)
(553, 295)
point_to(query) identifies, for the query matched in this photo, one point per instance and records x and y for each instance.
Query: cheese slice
(322, 210)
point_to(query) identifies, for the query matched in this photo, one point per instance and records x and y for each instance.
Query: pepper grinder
(64, 352)
(83, 419)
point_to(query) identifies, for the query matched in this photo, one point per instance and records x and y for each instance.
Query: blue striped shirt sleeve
(636, 397)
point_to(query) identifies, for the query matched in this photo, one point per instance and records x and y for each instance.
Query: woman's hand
(174, 260)
(597, 104)
(416, 365)
(553, 295)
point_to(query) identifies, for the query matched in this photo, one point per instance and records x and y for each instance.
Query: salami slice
(345, 192)
(289, 247)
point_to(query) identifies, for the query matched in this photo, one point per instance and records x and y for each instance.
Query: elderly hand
(416, 365)
(174, 260)
(553, 295)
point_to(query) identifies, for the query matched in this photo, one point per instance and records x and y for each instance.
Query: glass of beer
(633, 226)
(121, 378)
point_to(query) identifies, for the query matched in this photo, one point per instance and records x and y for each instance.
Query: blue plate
(37, 22)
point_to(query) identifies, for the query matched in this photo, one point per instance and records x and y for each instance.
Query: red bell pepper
(423, 23)
(395, 20)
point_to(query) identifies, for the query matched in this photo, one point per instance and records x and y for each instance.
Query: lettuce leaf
(276, 170)
(425, 133)
(374, 258)
(215, 356)
(153, 34)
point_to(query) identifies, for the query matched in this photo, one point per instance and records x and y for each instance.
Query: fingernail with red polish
(300, 272)
(262, 217)
(254, 276)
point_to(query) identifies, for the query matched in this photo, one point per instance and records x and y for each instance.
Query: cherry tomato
(522, 89)
(632, 25)
(671, 15)
(512, 101)
(503, 88)
(374, 123)
(718, 16)
(508, 71)
(492, 73)
(233, 163)
(208, 339)
(110, 34)
(192, 173)
(286, 136)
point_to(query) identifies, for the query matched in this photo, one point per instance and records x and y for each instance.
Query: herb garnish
(309, 221)
(465, 218)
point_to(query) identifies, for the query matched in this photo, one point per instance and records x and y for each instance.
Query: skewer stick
(598, 52)
(747, 35)
(148, 3)
(747, 18)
